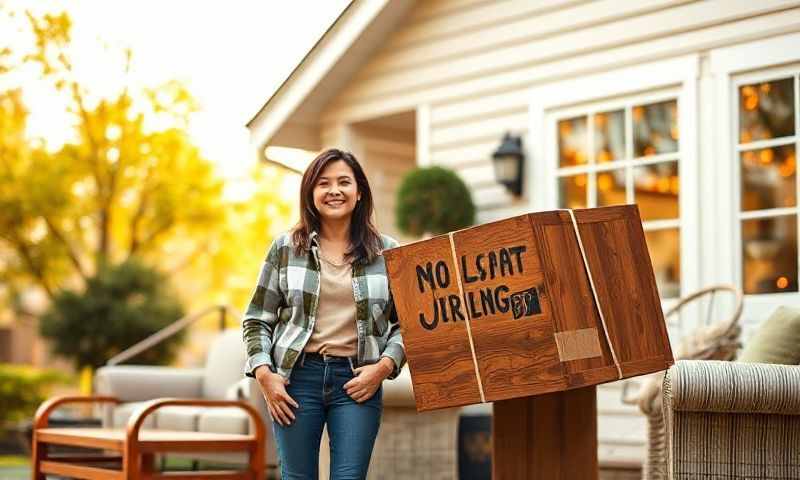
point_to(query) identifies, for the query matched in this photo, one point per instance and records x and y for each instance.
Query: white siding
(471, 65)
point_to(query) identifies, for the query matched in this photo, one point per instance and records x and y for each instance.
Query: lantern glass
(506, 168)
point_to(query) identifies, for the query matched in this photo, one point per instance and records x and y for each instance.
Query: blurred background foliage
(22, 389)
(130, 188)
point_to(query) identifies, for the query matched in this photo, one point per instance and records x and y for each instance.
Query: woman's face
(336, 191)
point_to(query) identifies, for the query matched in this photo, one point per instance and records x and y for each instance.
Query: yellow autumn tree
(130, 185)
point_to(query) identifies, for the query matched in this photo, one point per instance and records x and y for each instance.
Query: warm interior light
(766, 156)
(663, 184)
(751, 102)
(600, 120)
(604, 182)
(788, 166)
(565, 128)
(674, 184)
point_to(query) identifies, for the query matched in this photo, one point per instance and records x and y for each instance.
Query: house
(688, 108)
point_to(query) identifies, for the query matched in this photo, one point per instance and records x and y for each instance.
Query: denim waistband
(328, 358)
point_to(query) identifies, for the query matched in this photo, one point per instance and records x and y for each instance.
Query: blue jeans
(317, 386)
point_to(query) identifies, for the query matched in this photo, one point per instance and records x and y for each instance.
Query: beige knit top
(335, 328)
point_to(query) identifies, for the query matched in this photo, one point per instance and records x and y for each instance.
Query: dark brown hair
(365, 241)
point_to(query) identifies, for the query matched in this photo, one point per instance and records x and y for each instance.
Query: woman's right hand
(273, 386)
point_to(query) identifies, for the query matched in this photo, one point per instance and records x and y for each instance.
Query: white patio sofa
(220, 378)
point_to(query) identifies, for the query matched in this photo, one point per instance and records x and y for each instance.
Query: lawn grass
(7, 461)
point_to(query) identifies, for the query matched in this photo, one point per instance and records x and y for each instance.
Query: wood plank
(623, 276)
(423, 282)
(485, 128)
(447, 22)
(80, 471)
(467, 89)
(107, 439)
(114, 439)
(471, 153)
(99, 457)
(574, 308)
(204, 474)
(515, 351)
(566, 43)
(155, 446)
(445, 42)
(546, 437)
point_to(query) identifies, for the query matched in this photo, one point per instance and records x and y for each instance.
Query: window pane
(609, 136)
(768, 178)
(655, 128)
(769, 250)
(656, 189)
(766, 110)
(572, 191)
(664, 248)
(573, 141)
(611, 188)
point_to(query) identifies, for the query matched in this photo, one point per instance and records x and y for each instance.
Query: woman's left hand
(368, 379)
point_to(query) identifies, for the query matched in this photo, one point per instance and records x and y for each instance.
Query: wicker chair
(732, 420)
(712, 341)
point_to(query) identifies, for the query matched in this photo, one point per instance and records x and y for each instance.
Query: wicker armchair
(732, 420)
(712, 341)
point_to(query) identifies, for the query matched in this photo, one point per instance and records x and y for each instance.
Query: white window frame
(731, 67)
(677, 78)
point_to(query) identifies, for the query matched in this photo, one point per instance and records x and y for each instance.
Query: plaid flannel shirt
(280, 317)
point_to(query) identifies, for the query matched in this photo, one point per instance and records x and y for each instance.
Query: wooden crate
(506, 309)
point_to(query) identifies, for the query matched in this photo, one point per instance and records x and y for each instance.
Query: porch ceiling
(290, 117)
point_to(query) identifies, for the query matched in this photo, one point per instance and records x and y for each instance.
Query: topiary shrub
(433, 200)
(120, 306)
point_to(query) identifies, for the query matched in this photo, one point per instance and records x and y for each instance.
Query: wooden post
(546, 437)
(37, 455)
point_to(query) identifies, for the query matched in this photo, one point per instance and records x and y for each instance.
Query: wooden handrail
(169, 331)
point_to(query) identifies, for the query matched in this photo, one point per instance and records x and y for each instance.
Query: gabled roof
(291, 115)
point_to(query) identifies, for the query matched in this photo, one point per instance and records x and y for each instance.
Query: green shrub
(433, 200)
(22, 389)
(120, 306)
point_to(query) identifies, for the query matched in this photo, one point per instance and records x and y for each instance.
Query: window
(628, 152)
(768, 135)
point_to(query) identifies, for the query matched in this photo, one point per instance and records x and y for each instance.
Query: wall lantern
(508, 162)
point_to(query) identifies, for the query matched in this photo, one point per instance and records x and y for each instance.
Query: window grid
(739, 148)
(628, 162)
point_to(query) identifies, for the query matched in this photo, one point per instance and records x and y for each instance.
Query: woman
(321, 330)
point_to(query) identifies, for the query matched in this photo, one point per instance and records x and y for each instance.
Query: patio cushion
(777, 340)
(178, 418)
(122, 413)
(223, 420)
(224, 364)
